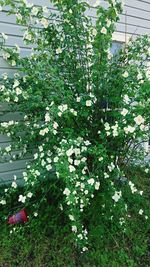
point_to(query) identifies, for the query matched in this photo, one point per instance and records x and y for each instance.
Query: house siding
(134, 21)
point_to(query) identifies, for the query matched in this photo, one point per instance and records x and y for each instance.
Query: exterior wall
(134, 21)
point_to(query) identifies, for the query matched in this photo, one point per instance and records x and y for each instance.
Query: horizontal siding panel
(131, 29)
(138, 4)
(4, 107)
(4, 139)
(9, 175)
(10, 72)
(16, 116)
(16, 165)
(10, 29)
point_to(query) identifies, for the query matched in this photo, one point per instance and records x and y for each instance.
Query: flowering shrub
(84, 113)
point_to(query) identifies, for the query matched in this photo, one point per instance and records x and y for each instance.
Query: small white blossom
(58, 51)
(18, 91)
(139, 120)
(3, 202)
(91, 181)
(97, 185)
(124, 112)
(29, 195)
(71, 168)
(117, 196)
(71, 217)
(141, 212)
(125, 74)
(66, 192)
(44, 22)
(88, 103)
(22, 198)
(104, 30)
(74, 228)
(34, 11)
(14, 184)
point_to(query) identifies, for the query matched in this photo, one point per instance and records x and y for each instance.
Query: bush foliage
(84, 114)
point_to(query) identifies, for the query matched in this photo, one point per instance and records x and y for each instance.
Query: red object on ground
(20, 217)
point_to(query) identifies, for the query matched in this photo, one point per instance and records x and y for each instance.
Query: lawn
(46, 241)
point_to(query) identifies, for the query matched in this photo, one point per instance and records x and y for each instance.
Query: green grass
(48, 241)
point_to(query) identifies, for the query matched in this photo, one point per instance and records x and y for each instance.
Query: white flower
(129, 129)
(6, 55)
(139, 120)
(18, 91)
(85, 249)
(106, 175)
(126, 99)
(63, 108)
(71, 217)
(87, 143)
(37, 173)
(97, 185)
(56, 159)
(66, 192)
(125, 74)
(34, 11)
(94, 32)
(77, 151)
(3, 202)
(8, 148)
(55, 125)
(104, 30)
(139, 76)
(22, 198)
(69, 152)
(16, 83)
(117, 196)
(29, 195)
(78, 99)
(45, 9)
(146, 170)
(14, 184)
(108, 23)
(44, 22)
(141, 211)
(107, 126)
(91, 181)
(47, 117)
(132, 187)
(27, 36)
(44, 131)
(71, 168)
(35, 155)
(74, 228)
(76, 162)
(100, 159)
(49, 167)
(58, 50)
(5, 37)
(35, 214)
(80, 236)
(124, 112)
(88, 103)
(5, 76)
